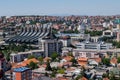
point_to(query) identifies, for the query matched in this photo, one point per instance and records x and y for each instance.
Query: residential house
(82, 61)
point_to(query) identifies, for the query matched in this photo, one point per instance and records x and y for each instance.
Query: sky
(59, 7)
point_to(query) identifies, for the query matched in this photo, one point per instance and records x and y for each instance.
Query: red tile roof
(113, 60)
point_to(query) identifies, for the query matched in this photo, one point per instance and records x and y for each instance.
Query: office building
(66, 41)
(50, 44)
(22, 73)
(18, 57)
(94, 45)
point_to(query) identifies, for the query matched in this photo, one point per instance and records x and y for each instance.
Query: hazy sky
(59, 7)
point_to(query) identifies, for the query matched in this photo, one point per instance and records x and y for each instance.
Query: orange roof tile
(105, 79)
(46, 59)
(97, 60)
(83, 78)
(17, 65)
(62, 78)
(70, 69)
(82, 63)
(113, 60)
(68, 58)
(82, 59)
(24, 63)
(67, 63)
(44, 65)
(30, 60)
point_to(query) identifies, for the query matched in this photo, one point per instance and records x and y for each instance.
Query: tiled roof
(83, 78)
(68, 58)
(24, 63)
(30, 60)
(82, 63)
(105, 79)
(21, 69)
(46, 59)
(82, 59)
(113, 61)
(61, 78)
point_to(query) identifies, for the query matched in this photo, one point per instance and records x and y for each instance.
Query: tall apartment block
(50, 44)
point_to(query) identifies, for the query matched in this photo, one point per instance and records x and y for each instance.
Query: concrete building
(93, 45)
(108, 33)
(74, 36)
(50, 44)
(89, 54)
(95, 38)
(18, 57)
(22, 73)
(66, 41)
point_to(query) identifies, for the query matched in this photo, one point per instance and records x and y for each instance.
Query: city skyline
(59, 7)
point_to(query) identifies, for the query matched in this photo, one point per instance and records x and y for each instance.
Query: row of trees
(71, 31)
(106, 61)
(93, 33)
(8, 49)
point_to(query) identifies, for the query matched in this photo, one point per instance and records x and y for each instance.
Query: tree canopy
(106, 61)
(33, 65)
(54, 55)
(31, 56)
(48, 68)
(93, 33)
(118, 59)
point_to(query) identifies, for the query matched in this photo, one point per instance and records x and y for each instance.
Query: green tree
(112, 76)
(93, 33)
(106, 61)
(54, 56)
(118, 59)
(70, 54)
(33, 65)
(105, 75)
(61, 71)
(31, 56)
(78, 77)
(53, 74)
(74, 61)
(40, 59)
(48, 68)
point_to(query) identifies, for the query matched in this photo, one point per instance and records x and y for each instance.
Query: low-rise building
(18, 57)
(108, 33)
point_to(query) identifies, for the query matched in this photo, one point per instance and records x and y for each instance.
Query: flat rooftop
(21, 69)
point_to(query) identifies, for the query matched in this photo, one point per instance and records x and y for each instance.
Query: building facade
(93, 45)
(23, 55)
(51, 45)
(22, 73)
